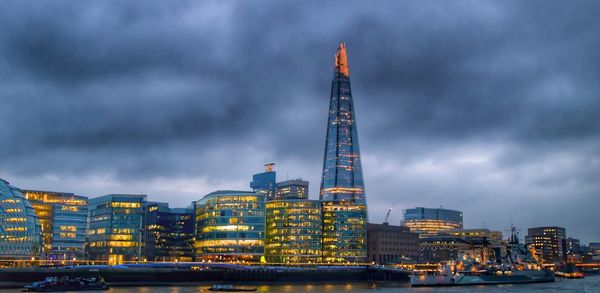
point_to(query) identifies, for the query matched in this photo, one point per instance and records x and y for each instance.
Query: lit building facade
(265, 182)
(428, 222)
(342, 188)
(230, 226)
(115, 228)
(294, 231)
(389, 244)
(549, 243)
(168, 233)
(292, 189)
(63, 218)
(594, 248)
(20, 232)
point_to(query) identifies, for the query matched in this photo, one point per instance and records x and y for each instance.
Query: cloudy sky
(490, 107)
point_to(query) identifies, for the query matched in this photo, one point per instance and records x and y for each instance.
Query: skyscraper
(342, 186)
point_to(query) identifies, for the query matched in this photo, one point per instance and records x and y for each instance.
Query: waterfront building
(428, 222)
(342, 188)
(548, 242)
(594, 248)
(294, 231)
(292, 189)
(20, 232)
(480, 244)
(230, 226)
(115, 228)
(389, 244)
(168, 233)
(265, 182)
(63, 219)
(573, 246)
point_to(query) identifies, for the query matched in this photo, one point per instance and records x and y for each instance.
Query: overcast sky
(489, 107)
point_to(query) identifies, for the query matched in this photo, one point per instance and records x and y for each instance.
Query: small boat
(54, 284)
(230, 288)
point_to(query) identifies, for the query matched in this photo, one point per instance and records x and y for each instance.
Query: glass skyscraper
(342, 186)
(20, 235)
(63, 218)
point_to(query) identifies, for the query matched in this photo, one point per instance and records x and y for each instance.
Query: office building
(428, 222)
(20, 232)
(292, 189)
(594, 248)
(63, 218)
(265, 183)
(390, 244)
(168, 233)
(230, 226)
(115, 228)
(342, 188)
(573, 246)
(549, 243)
(294, 231)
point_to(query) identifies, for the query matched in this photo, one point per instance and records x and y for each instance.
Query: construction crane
(387, 216)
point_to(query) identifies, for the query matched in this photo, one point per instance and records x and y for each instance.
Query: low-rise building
(388, 244)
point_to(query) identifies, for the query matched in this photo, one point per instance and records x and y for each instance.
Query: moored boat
(54, 284)
(518, 266)
(231, 288)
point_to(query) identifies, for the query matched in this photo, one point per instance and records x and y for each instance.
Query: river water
(587, 285)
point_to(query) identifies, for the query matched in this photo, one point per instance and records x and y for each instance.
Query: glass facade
(63, 218)
(20, 232)
(230, 226)
(169, 233)
(344, 232)
(428, 222)
(292, 189)
(115, 228)
(264, 183)
(342, 187)
(294, 231)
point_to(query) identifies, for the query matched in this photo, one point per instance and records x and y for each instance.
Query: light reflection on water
(587, 285)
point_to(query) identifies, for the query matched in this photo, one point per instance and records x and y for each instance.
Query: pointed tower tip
(341, 60)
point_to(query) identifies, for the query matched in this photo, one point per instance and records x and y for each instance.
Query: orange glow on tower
(341, 60)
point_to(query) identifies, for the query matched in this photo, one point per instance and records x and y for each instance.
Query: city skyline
(488, 109)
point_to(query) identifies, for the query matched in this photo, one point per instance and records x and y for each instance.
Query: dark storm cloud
(488, 107)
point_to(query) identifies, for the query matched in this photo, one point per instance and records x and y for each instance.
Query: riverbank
(17, 278)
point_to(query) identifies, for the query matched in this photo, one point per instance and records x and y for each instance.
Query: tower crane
(387, 216)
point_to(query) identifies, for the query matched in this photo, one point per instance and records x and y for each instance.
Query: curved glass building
(428, 222)
(230, 226)
(293, 232)
(20, 235)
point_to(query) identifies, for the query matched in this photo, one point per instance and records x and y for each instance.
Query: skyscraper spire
(342, 188)
(342, 172)
(341, 60)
